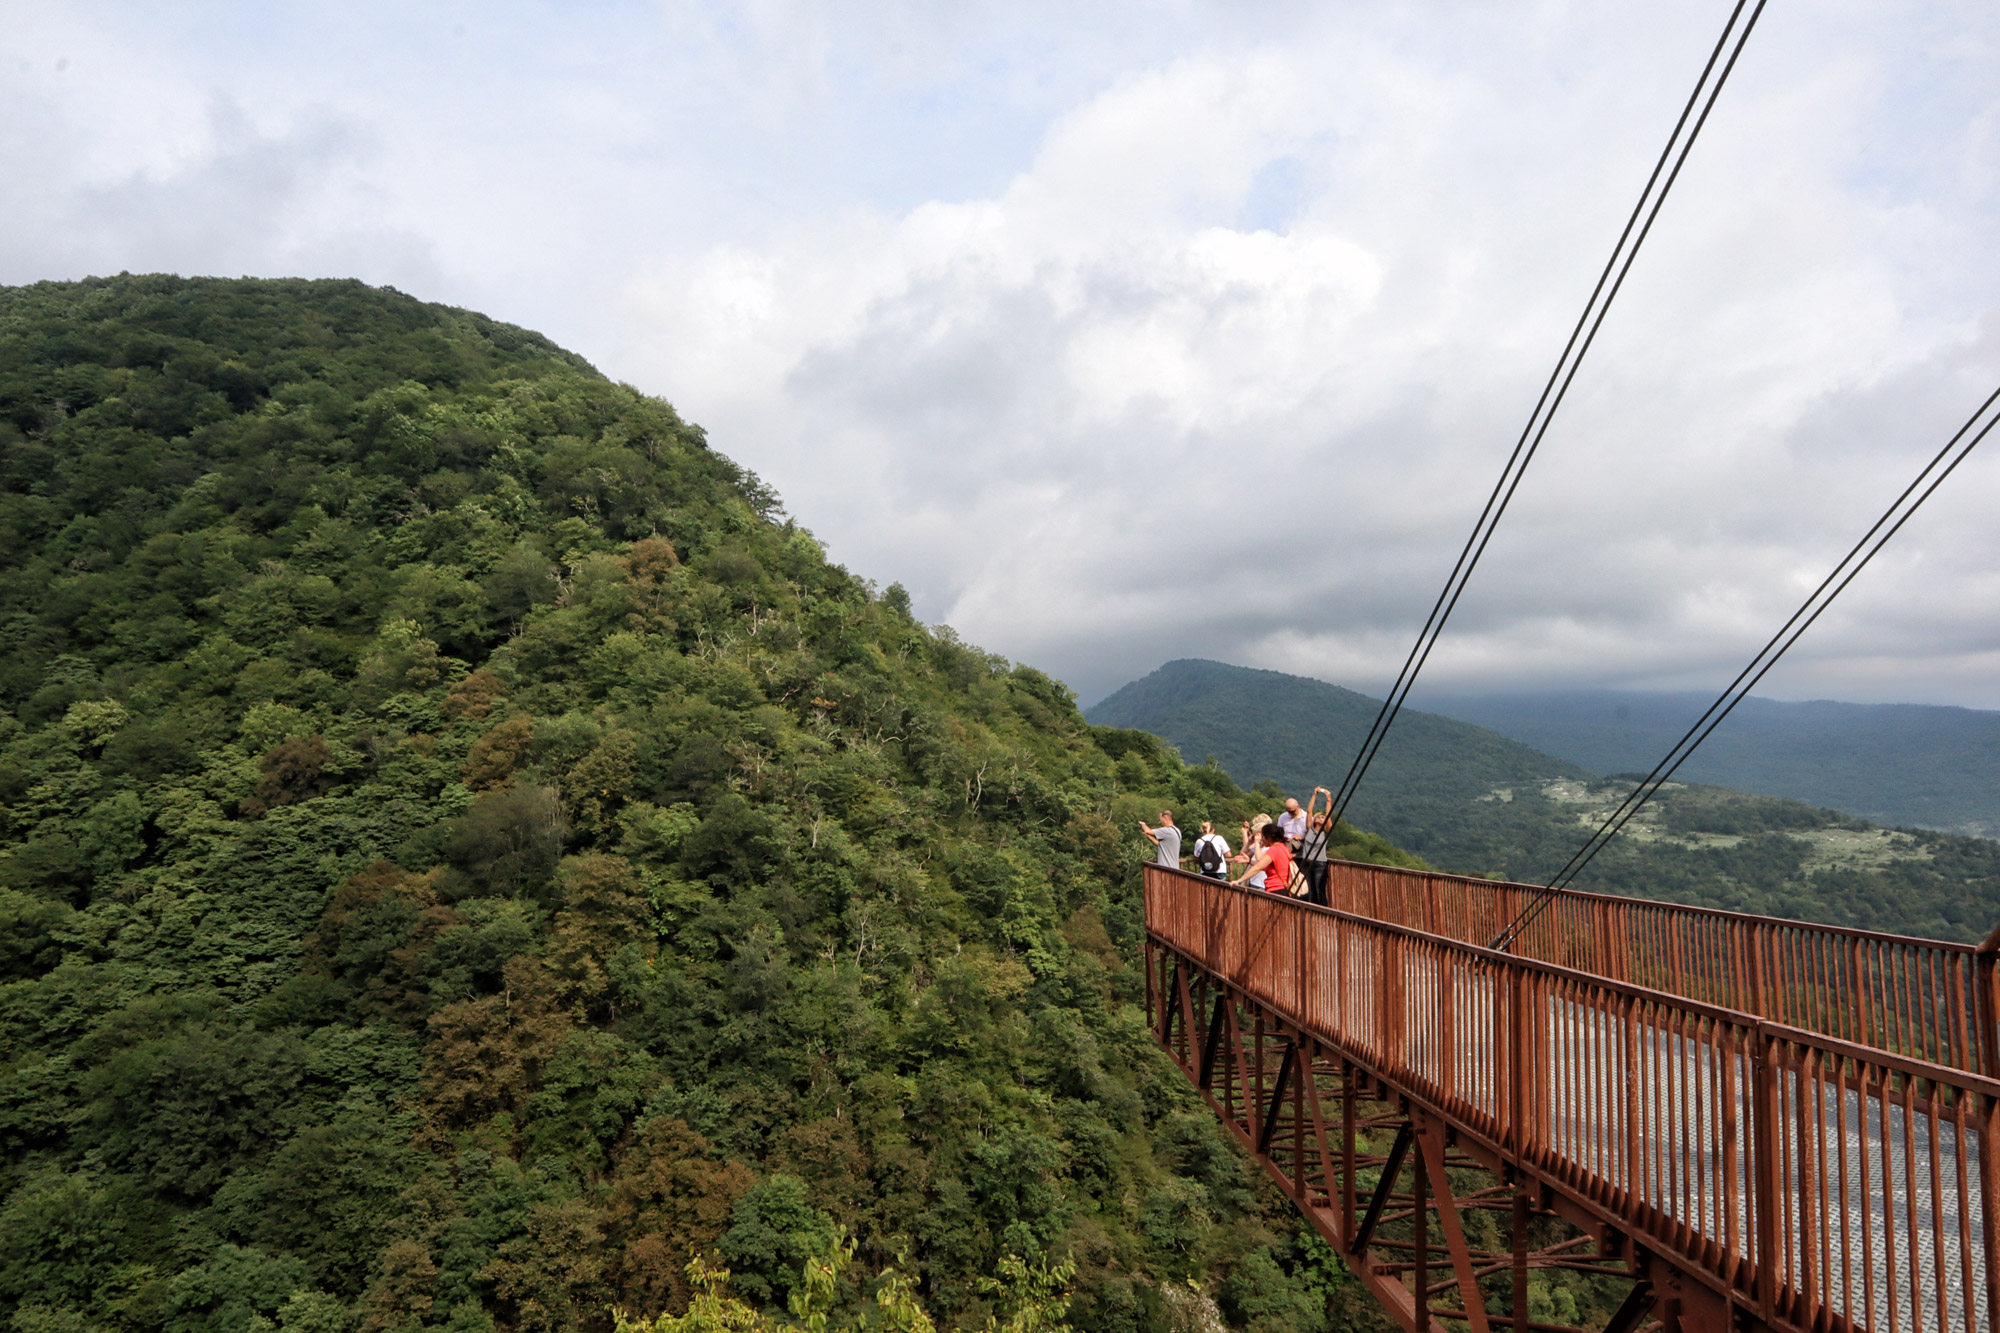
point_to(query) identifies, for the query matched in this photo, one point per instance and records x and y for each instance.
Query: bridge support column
(1388, 1181)
(1430, 1142)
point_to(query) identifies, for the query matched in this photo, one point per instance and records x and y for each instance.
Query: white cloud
(1120, 333)
(1099, 410)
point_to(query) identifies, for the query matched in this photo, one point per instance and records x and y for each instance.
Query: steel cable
(1941, 465)
(1686, 129)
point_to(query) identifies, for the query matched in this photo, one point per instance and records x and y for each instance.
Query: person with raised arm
(1166, 840)
(1314, 853)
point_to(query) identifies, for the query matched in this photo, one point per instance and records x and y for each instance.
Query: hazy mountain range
(1471, 799)
(1904, 764)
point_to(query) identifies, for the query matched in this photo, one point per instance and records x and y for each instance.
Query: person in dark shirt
(1313, 855)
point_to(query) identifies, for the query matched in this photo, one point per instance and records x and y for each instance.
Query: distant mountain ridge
(1472, 800)
(1222, 711)
(1907, 765)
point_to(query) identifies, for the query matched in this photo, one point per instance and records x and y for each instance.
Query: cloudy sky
(1121, 332)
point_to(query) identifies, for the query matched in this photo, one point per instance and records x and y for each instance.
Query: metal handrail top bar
(1950, 1074)
(1686, 909)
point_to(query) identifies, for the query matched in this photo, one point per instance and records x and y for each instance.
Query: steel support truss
(1427, 1222)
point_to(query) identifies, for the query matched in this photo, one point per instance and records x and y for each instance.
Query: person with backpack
(1211, 852)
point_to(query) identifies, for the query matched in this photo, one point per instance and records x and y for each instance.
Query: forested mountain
(463, 851)
(1470, 800)
(1914, 765)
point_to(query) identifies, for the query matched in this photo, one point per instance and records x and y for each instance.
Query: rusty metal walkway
(1714, 1121)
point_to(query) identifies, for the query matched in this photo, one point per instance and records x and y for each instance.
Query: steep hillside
(462, 851)
(1910, 765)
(1470, 800)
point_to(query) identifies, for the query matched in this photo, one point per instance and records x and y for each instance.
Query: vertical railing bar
(1927, 1005)
(1913, 1014)
(1822, 984)
(1961, 1129)
(1910, 1200)
(1731, 1240)
(1557, 1045)
(1660, 1075)
(1702, 1226)
(1889, 1221)
(1779, 997)
(1586, 1085)
(1759, 971)
(1812, 1180)
(1676, 1125)
(1960, 1139)
(1863, 991)
(1765, 1183)
(1965, 1056)
(1712, 1120)
(1895, 999)
(1606, 1031)
(1784, 1200)
(1989, 1205)
(1863, 1079)
(1958, 982)
(1846, 1213)
(1803, 987)
(1932, 1117)
(1628, 1079)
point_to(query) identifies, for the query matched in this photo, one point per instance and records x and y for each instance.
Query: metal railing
(1925, 998)
(1815, 1181)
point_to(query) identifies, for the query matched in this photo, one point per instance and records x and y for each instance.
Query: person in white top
(1211, 852)
(1252, 839)
(1293, 822)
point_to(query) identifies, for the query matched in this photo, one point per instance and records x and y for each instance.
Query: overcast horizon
(1126, 333)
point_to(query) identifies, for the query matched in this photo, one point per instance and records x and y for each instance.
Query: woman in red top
(1274, 858)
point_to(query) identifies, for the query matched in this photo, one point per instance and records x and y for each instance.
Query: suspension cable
(1714, 74)
(1947, 459)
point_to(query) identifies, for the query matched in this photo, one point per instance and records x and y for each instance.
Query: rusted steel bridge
(1717, 1121)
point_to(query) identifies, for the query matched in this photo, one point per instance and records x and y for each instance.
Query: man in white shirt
(1293, 822)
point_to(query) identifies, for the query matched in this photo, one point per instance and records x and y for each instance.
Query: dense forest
(1470, 800)
(465, 853)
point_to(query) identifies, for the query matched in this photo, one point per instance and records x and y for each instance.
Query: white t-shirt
(1220, 844)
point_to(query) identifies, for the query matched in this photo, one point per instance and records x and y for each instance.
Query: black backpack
(1207, 856)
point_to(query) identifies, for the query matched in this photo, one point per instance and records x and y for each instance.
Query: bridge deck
(1684, 1086)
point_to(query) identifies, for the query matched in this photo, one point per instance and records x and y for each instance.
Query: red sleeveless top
(1278, 876)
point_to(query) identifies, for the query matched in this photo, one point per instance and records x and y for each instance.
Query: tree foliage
(463, 851)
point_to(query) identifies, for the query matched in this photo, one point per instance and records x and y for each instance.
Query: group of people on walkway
(1286, 855)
